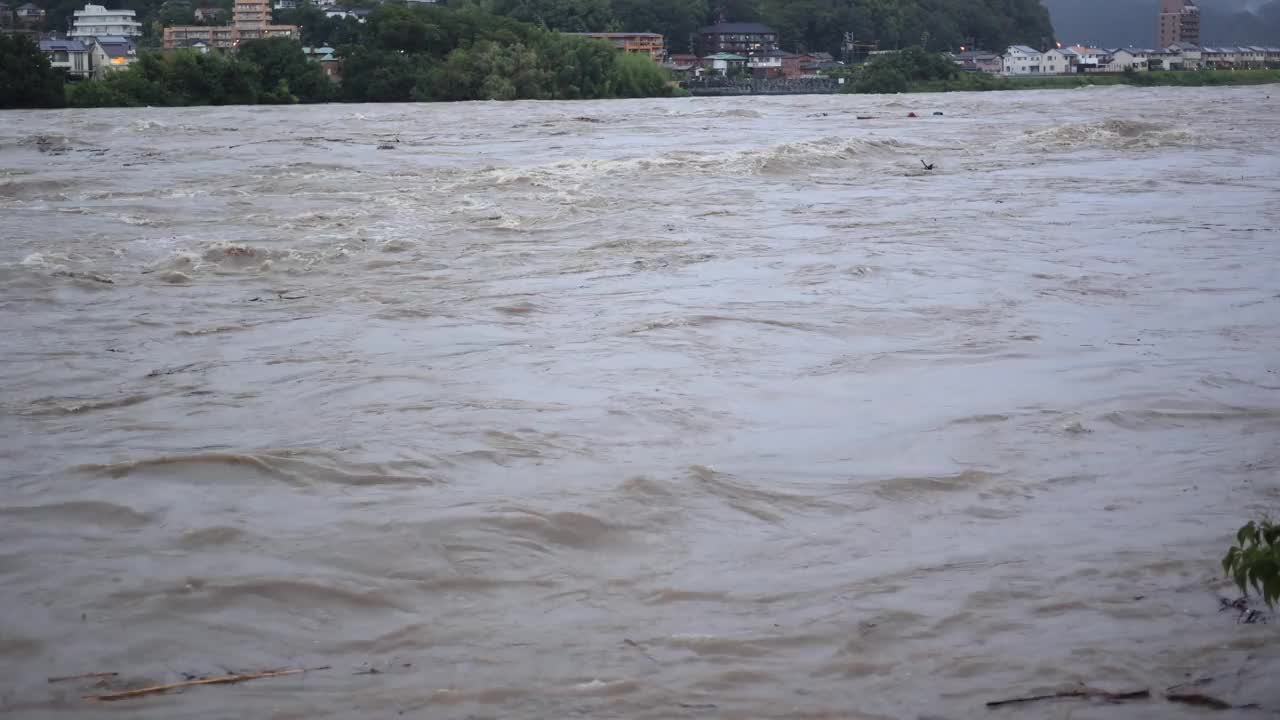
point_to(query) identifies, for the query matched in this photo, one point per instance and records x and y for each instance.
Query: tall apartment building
(749, 39)
(1178, 22)
(250, 20)
(97, 21)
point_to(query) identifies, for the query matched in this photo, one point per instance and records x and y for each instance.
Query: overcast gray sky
(1121, 23)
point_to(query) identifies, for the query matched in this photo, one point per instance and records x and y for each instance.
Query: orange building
(651, 44)
(250, 20)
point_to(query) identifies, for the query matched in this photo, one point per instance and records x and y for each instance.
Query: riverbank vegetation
(271, 71)
(435, 53)
(402, 54)
(1254, 560)
(802, 25)
(26, 79)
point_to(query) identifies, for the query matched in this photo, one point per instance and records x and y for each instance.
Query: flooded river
(704, 408)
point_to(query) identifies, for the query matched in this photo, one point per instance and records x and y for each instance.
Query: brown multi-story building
(1178, 22)
(747, 39)
(250, 20)
(651, 44)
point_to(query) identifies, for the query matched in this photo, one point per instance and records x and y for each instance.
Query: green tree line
(438, 53)
(271, 70)
(803, 25)
(402, 54)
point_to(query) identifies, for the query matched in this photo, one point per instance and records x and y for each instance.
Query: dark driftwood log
(1080, 693)
(1198, 700)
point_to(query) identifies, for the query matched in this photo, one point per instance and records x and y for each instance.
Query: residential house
(747, 39)
(640, 43)
(768, 64)
(1060, 61)
(1090, 59)
(1235, 57)
(978, 61)
(97, 21)
(684, 66)
(285, 5)
(329, 64)
(210, 14)
(1253, 57)
(1023, 60)
(250, 20)
(1184, 56)
(6, 15)
(69, 56)
(358, 14)
(109, 54)
(1129, 60)
(819, 65)
(29, 15)
(1272, 56)
(726, 63)
(793, 62)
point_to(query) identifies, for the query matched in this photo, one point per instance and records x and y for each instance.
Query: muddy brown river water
(701, 408)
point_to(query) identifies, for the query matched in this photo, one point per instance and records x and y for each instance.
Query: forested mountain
(1121, 23)
(809, 25)
(804, 25)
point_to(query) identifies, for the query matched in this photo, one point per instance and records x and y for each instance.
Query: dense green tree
(562, 15)
(633, 77)
(284, 73)
(263, 71)
(820, 25)
(1254, 560)
(677, 20)
(896, 72)
(26, 79)
(318, 29)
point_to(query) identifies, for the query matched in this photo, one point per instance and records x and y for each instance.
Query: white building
(110, 54)
(1126, 59)
(1060, 61)
(767, 63)
(69, 56)
(1022, 60)
(95, 20)
(1091, 59)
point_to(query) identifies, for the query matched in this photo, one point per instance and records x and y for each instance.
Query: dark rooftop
(739, 29)
(64, 45)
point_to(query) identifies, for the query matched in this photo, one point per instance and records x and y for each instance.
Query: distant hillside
(1120, 23)
(808, 25)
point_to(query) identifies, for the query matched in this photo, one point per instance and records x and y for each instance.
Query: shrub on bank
(26, 78)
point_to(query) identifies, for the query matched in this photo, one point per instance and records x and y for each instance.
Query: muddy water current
(719, 408)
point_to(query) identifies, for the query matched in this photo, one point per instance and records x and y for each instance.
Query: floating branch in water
(218, 680)
(86, 676)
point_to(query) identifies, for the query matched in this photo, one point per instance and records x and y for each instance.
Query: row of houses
(26, 15)
(1025, 60)
(771, 63)
(80, 58)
